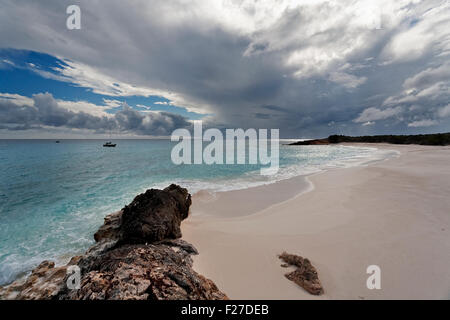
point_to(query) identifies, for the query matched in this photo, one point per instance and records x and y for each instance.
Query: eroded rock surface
(155, 271)
(305, 275)
(138, 255)
(45, 282)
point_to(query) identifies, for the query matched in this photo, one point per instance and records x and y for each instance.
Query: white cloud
(143, 107)
(374, 114)
(327, 33)
(88, 77)
(112, 103)
(427, 77)
(347, 80)
(5, 63)
(75, 106)
(17, 99)
(423, 95)
(429, 33)
(430, 86)
(422, 123)
(84, 106)
(444, 112)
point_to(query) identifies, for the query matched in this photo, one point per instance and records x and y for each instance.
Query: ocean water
(53, 197)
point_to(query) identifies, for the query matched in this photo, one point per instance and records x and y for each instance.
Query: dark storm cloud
(45, 111)
(150, 123)
(12, 114)
(308, 69)
(274, 108)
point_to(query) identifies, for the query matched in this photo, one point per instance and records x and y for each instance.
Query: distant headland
(437, 139)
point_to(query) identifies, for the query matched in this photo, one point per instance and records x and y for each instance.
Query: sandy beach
(392, 213)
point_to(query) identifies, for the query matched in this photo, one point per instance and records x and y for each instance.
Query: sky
(309, 68)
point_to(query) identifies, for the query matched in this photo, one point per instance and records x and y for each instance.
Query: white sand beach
(393, 213)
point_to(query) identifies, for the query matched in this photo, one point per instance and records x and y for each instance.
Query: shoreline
(276, 192)
(339, 225)
(249, 199)
(206, 200)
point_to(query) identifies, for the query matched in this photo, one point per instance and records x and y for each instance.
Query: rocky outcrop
(155, 215)
(138, 255)
(305, 275)
(45, 282)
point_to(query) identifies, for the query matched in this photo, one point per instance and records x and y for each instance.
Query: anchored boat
(109, 144)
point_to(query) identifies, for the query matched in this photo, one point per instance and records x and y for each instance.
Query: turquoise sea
(54, 196)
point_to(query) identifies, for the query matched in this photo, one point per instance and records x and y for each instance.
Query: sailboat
(109, 144)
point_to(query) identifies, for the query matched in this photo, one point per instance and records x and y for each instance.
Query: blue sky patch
(19, 74)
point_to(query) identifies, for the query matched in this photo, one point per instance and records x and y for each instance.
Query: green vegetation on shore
(438, 139)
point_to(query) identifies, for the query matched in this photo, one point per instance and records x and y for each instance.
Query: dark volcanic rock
(137, 256)
(152, 216)
(305, 275)
(111, 227)
(155, 215)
